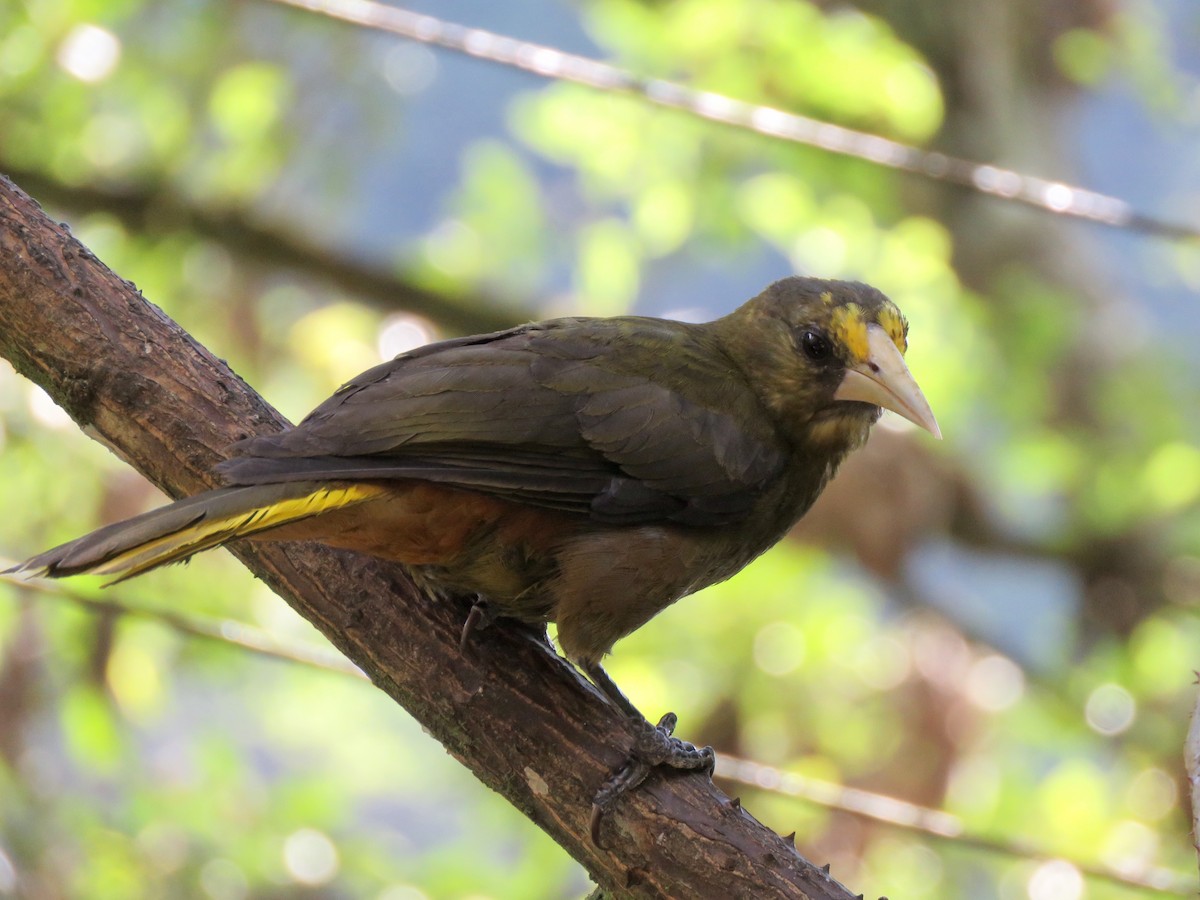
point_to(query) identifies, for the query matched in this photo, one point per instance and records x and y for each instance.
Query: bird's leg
(654, 745)
(482, 615)
(595, 672)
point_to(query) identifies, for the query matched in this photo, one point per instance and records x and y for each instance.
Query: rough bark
(509, 709)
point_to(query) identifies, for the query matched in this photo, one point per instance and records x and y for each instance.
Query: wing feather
(624, 420)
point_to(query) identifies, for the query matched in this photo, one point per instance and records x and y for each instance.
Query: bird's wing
(625, 420)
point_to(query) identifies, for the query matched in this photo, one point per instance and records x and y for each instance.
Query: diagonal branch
(510, 709)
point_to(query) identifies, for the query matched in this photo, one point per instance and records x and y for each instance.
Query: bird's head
(825, 357)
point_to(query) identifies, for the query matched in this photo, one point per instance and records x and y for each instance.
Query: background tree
(998, 627)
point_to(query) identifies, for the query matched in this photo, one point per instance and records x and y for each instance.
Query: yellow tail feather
(207, 533)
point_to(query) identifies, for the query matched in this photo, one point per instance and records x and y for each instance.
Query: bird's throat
(841, 427)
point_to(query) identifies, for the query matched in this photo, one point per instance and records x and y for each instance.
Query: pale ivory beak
(884, 380)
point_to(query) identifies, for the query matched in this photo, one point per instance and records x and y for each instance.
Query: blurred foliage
(157, 765)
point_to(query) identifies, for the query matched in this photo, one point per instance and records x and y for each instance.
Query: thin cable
(1056, 197)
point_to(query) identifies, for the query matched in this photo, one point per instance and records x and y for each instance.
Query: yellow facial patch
(893, 323)
(849, 328)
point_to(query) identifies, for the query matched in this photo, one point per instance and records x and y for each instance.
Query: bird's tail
(175, 532)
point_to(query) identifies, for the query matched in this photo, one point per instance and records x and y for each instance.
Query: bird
(583, 471)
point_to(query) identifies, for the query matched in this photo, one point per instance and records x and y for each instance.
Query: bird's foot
(482, 615)
(654, 746)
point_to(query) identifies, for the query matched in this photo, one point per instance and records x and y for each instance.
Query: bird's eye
(816, 346)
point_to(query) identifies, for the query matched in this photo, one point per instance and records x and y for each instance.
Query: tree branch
(157, 206)
(1191, 766)
(510, 709)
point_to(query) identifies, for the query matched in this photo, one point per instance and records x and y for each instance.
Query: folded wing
(623, 420)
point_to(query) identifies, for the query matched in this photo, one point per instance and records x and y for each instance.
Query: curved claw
(479, 617)
(625, 779)
(594, 826)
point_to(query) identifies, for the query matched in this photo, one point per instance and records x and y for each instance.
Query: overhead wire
(1057, 197)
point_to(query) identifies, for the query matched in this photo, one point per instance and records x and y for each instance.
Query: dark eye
(816, 346)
